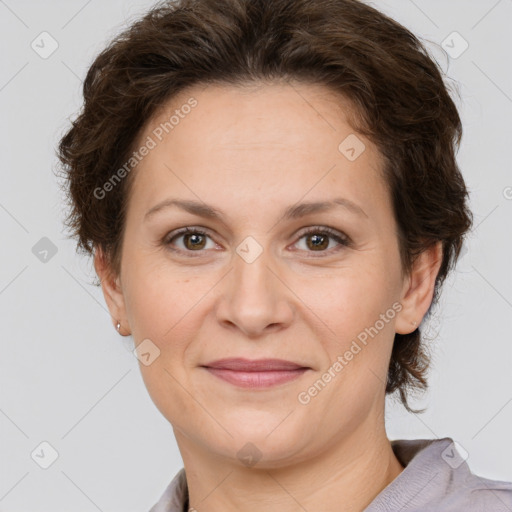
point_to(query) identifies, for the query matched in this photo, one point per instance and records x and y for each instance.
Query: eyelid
(340, 237)
(323, 229)
(176, 233)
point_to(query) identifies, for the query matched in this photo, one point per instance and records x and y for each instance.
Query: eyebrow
(292, 212)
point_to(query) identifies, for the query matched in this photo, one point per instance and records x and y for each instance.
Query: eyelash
(341, 239)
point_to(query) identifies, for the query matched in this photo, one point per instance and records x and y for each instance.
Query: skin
(252, 152)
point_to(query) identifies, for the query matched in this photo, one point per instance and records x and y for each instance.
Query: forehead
(264, 113)
(283, 139)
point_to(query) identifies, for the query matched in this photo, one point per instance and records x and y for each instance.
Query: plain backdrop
(68, 379)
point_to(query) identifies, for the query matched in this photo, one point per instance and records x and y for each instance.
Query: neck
(351, 471)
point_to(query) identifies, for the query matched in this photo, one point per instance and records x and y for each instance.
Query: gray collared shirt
(436, 478)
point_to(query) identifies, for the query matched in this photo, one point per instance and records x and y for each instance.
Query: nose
(255, 299)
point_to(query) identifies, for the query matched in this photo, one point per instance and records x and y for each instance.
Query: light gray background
(69, 379)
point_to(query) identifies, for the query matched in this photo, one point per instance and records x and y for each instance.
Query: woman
(271, 196)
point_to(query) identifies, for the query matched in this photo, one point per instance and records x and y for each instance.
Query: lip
(260, 373)
(253, 365)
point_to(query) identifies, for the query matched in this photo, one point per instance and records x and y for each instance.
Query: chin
(262, 445)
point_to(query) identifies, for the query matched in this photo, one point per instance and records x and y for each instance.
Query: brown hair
(401, 101)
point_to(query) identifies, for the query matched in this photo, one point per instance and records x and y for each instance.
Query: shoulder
(437, 478)
(175, 495)
(486, 494)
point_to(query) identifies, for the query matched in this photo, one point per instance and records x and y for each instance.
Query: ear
(418, 289)
(112, 291)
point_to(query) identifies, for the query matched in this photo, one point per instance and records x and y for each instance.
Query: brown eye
(193, 240)
(319, 240)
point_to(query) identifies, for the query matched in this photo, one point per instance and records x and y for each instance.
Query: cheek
(162, 309)
(354, 309)
(157, 299)
(163, 386)
(169, 310)
(348, 296)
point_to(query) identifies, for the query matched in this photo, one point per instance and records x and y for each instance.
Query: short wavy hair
(400, 98)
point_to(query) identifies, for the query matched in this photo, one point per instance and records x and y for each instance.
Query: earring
(118, 327)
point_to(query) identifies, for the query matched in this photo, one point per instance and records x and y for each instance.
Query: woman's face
(264, 281)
